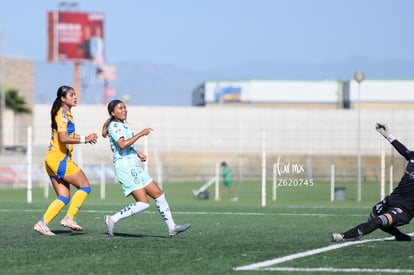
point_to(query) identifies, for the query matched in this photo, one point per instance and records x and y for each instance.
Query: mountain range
(150, 84)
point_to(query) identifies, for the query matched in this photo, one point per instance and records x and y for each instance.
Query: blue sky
(206, 34)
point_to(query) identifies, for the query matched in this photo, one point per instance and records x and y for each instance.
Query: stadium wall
(188, 142)
(227, 129)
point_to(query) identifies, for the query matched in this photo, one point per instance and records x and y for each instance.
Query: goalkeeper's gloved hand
(385, 131)
(382, 129)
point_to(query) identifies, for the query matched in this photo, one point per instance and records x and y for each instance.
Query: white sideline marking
(331, 269)
(265, 265)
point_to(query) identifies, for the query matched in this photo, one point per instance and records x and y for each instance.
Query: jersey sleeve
(61, 121)
(407, 154)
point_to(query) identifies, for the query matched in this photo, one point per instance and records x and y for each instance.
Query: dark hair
(62, 91)
(111, 106)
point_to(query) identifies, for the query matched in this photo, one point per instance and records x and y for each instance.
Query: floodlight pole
(77, 81)
(359, 77)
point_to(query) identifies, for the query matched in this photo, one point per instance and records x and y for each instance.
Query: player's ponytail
(105, 127)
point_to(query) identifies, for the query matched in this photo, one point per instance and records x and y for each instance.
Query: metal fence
(188, 142)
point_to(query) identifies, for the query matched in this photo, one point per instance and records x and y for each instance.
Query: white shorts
(132, 178)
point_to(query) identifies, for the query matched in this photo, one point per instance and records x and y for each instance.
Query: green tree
(16, 103)
(19, 106)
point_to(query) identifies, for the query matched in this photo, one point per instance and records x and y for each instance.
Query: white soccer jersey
(128, 156)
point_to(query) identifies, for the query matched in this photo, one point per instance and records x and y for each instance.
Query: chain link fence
(188, 142)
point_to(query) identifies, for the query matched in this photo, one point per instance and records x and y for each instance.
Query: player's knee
(86, 189)
(385, 219)
(389, 218)
(63, 199)
(143, 205)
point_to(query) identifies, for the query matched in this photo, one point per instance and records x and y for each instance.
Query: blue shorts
(132, 178)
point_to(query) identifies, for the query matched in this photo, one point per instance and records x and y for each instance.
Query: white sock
(164, 209)
(130, 210)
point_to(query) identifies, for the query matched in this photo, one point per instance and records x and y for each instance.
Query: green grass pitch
(224, 235)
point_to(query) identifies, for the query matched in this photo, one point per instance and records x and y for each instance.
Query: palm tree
(18, 105)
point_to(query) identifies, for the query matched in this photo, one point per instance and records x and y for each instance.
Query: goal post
(263, 169)
(274, 185)
(382, 189)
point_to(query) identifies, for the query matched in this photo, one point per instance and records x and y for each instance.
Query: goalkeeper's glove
(385, 131)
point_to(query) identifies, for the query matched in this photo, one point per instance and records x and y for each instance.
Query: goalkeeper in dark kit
(395, 209)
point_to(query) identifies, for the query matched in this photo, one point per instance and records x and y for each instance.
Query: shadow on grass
(129, 235)
(69, 232)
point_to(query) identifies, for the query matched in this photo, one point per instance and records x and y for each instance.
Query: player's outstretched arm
(385, 132)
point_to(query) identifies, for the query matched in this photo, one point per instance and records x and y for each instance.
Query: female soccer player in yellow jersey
(133, 179)
(59, 164)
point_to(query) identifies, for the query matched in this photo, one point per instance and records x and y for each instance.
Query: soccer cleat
(71, 223)
(110, 225)
(43, 229)
(403, 238)
(234, 199)
(179, 228)
(337, 237)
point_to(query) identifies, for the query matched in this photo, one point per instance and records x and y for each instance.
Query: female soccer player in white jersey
(133, 179)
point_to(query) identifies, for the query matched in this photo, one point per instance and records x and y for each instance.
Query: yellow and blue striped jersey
(65, 123)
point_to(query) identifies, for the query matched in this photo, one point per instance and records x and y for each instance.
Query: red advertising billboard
(76, 36)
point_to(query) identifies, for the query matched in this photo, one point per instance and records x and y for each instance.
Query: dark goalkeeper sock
(363, 229)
